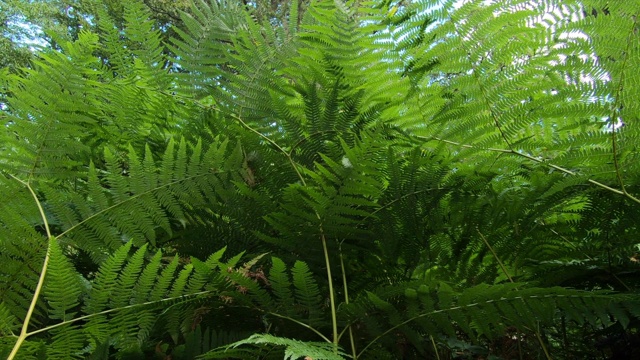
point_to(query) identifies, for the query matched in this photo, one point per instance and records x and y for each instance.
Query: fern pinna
(385, 180)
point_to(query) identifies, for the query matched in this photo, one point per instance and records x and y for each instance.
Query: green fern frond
(63, 286)
(487, 310)
(106, 280)
(43, 113)
(203, 341)
(128, 203)
(307, 293)
(22, 260)
(294, 349)
(67, 342)
(122, 304)
(8, 321)
(280, 282)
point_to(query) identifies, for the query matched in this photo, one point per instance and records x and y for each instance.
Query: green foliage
(294, 349)
(423, 178)
(438, 309)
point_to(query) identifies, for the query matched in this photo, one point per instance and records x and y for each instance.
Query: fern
(203, 341)
(486, 311)
(63, 287)
(307, 292)
(424, 176)
(279, 280)
(293, 349)
(114, 315)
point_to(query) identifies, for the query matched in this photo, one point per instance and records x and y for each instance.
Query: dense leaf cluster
(385, 180)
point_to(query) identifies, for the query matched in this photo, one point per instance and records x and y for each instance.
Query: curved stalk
(332, 300)
(354, 354)
(537, 160)
(43, 273)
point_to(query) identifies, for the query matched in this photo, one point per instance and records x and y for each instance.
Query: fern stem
(504, 269)
(354, 353)
(301, 324)
(537, 160)
(334, 318)
(43, 273)
(267, 139)
(85, 317)
(566, 171)
(435, 347)
(25, 325)
(542, 345)
(133, 197)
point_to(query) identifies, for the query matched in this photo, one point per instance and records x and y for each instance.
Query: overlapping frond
(482, 311)
(136, 199)
(120, 305)
(503, 68)
(420, 174)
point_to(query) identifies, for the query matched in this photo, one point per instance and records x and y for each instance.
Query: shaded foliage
(365, 180)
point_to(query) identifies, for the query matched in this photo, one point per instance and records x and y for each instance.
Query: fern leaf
(280, 282)
(106, 280)
(67, 342)
(294, 349)
(307, 292)
(63, 285)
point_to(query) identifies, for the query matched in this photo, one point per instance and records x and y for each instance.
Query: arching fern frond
(293, 349)
(139, 199)
(120, 306)
(484, 311)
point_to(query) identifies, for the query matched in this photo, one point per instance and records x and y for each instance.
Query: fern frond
(127, 203)
(280, 283)
(21, 259)
(8, 321)
(294, 349)
(202, 342)
(487, 310)
(106, 280)
(67, 342)
(63, 286)
(307, 292)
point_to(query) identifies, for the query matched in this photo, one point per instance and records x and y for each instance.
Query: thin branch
(435, 347)
(542, 345)
(332, 300)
